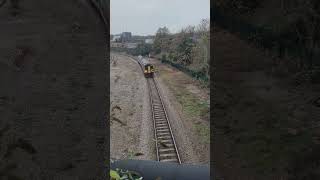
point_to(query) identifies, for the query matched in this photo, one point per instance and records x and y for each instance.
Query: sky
(144, 17)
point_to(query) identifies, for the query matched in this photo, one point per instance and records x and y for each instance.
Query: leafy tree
(185, 43)
(161, 42)
(189, 48)
(144, 49)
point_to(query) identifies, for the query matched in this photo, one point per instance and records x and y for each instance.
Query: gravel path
(131, 126)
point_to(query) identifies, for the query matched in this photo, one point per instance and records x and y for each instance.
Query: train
(147, 67)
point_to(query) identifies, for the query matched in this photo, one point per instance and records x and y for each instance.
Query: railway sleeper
(168, 136)
(162, 126)
(165, 145)
(159, 113)
(163, 134)
(157, 105)
(164, 137)
(161, 121)
(166, 141)
(166, 150)
(160, 117)
(163, 130)
(158, 108)
(166, 155)
(156, 97)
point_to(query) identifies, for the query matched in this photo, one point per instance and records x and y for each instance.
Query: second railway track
(165, 143)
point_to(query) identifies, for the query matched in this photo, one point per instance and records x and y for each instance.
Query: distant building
(149, 41)
(116, 38)
(126, 36)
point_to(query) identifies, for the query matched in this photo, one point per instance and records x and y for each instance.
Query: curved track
(165, 143)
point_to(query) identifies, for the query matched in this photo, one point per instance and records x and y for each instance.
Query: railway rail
(166, 147)
(165, 143)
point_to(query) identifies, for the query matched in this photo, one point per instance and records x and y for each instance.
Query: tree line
(189, 49)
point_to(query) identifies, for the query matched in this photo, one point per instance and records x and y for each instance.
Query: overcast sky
(144, 17)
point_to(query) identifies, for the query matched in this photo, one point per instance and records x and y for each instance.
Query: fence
(199, 75)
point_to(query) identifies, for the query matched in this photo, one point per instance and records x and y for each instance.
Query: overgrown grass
(204, 132)
(196, 108)
(192, 106)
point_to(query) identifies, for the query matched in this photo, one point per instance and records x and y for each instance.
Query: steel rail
(168, 152)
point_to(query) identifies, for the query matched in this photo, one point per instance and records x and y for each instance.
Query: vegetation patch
(204, 132)
(122, 174)
(188, 50)
(192, 106)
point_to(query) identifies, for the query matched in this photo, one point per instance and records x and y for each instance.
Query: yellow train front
(148, 68)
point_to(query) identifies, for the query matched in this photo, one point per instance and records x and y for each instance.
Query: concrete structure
(126, 36)
(116, 38)
(149, 41)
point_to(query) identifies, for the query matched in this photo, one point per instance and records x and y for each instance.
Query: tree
(143, 49)
(161, 42)
(185, 43)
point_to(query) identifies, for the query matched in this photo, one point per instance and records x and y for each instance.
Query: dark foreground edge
(154, 169)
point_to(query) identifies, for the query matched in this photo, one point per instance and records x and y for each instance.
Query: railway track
(165, 143)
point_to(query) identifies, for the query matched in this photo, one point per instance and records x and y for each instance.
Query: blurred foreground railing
(161, 170)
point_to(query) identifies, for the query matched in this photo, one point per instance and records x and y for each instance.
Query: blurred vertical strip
(102, 8)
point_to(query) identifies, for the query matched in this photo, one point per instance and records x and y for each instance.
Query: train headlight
(145, 71)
